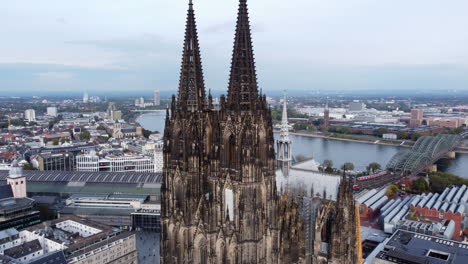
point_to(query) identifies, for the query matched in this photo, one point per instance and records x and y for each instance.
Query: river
(360, 154)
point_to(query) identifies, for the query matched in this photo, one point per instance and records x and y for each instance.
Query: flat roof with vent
(406, 245)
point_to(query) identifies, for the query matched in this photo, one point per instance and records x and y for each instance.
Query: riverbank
(376, 142)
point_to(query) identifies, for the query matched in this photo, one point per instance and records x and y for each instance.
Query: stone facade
(220, 203)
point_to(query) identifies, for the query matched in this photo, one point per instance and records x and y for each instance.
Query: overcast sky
(116, 45)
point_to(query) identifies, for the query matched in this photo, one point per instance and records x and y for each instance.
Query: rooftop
(54, 258)
(418, 248)
(23, 249)
(15, 203)
(89, 177)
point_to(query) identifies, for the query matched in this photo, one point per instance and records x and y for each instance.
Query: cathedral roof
(305, 176)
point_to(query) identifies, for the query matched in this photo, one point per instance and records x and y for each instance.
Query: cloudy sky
(135, 45)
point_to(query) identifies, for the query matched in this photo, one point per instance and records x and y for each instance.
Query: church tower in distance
(284, 144)
(219, 198)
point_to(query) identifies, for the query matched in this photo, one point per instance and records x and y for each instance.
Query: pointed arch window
(181, 144)
(231, 157)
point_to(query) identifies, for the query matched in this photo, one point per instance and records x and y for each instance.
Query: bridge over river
(408, 163)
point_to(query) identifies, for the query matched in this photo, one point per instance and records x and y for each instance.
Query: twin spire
(242, 90)
(191, 84)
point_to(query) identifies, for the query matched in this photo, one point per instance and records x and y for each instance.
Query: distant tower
(326, 116)
(85, 98)
(416, 118)
(30, 115)
(157, 98)
(284, 155)
(17, 181)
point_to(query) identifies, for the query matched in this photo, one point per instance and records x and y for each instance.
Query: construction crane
(358, 235)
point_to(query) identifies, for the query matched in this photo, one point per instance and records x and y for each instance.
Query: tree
(402, 135)
(373, 167)
(55, 142)
(441, 180)
(63, 140)
(345, 130)
(146, 132)
(328, 163)
(85, 135)
(420, 185)
(380, 131)
(392, 190)
(347, 166)
(318, 122)
(300, 158)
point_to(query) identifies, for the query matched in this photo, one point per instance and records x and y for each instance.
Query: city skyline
(358, 45)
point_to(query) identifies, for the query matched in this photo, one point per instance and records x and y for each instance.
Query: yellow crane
(358, 235)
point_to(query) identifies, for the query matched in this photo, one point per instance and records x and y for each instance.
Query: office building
(357, 106)
(116, 115)
(56, 161)
(91, 162)
(52, 111)
(416, 118)
(30, 115)
(157, 98)
(118, 210)
(74, 239)
(85, 98)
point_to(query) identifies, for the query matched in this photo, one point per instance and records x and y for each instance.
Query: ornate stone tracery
(219, 198)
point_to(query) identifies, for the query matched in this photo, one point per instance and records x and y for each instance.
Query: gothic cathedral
(220, 203)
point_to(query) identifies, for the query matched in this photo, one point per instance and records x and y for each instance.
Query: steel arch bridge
(425, 152)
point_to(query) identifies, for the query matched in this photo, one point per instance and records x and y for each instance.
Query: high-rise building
(357, 106)
(30, 115)
(220, 202)
(116, 115)
(52, 111)
(157, 98)
(326, 116)
(416, 118)
(85, 98)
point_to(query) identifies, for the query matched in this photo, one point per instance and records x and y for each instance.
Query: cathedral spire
(191, 85)
(242, 90)
(284, 120)
(284, 144)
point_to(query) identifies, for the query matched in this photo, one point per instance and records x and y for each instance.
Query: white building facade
(52, 111)
(157, 98)
(30, 115)
(135, 163)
